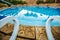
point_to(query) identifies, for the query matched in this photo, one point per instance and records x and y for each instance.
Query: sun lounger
(4, 20)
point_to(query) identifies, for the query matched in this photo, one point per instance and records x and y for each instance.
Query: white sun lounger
(48, 27)
(16, 26)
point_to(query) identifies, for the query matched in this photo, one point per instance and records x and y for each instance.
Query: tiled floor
(28, 32)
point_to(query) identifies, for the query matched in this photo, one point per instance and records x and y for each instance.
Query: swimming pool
(32, 15)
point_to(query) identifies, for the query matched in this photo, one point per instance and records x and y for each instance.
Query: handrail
(16, 26)
(48, 27)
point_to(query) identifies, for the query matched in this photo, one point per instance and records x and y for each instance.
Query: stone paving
(28, 32)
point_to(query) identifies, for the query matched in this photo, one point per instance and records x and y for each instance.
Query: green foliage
(47, 1)
(22, 2)
(38, 2)
(17, 1)
(50, 1)
(2, 5)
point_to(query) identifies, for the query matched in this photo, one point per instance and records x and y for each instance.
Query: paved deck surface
(28, 32)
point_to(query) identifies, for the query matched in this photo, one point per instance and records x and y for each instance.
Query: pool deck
(28, 32)
(29, 4)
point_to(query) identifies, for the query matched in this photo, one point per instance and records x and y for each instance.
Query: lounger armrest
(4, 21)
(16, 26)
(48, 27)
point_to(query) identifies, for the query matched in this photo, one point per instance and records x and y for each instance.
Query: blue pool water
(35, 15)
(1, 17)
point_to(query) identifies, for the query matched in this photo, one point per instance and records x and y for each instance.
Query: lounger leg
(48, 29)
(15, 31)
